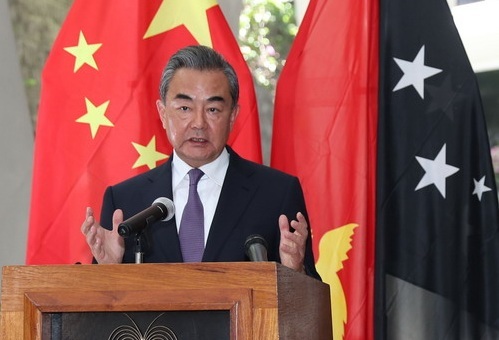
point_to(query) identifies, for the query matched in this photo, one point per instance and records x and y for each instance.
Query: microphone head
(256, 248)
(169, 206)
(254, 239)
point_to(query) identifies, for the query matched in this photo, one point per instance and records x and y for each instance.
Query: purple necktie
(191, 232)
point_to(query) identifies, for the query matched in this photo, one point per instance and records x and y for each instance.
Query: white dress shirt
(209, 187)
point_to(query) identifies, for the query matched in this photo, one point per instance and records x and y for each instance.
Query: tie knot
(194, 176)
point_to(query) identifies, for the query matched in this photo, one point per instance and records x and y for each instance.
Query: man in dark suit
(198, 106)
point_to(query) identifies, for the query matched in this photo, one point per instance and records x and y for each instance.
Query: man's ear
(233, 115)
(162, 112)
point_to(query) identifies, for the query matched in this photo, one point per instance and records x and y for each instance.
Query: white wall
(16, 149)
(478, 26)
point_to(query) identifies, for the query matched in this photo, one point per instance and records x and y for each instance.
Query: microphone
(256, 248)
(161, 209)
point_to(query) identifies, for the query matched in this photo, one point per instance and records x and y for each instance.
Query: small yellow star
(83, 52)
(95, 116)
(148, 154)
(191, 13)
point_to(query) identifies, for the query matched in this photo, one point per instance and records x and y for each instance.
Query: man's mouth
(198, 140)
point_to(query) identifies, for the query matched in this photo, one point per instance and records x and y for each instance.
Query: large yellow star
(83, 52)
(191, 13)
(148, 154)
(95, 116)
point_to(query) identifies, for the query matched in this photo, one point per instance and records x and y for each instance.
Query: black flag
(437, 260)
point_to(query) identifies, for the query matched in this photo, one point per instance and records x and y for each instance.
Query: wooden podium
(255, 300)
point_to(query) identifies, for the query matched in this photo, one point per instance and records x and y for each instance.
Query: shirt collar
(215, 170)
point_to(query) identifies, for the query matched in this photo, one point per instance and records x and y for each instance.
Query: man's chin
(198, 156)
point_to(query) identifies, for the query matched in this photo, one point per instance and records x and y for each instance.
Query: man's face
(197, 115)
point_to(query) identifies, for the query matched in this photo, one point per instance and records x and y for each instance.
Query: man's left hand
(293, 239)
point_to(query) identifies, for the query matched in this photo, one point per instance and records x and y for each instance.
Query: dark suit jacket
(252, 198)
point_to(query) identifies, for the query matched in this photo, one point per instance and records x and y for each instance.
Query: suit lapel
(164, 235)
(236, 194)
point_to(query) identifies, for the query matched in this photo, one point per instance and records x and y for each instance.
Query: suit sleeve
(107, 209)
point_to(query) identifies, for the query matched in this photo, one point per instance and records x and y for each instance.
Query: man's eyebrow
(210, 99)
(216, 99)
(183, 96)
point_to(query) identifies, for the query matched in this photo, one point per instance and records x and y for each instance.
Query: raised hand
(107, 246)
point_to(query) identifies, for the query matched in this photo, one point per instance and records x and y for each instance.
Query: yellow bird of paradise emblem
(333, 248)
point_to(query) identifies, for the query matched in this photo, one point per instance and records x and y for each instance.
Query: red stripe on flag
(325, 133)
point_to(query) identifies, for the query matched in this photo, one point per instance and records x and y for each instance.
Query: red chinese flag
(325, 133)
(98, 123)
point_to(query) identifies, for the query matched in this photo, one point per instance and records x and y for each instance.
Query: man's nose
(199, 119)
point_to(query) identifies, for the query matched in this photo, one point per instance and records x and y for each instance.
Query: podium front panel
(207, 325)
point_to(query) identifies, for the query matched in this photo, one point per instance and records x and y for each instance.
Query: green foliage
(31, 82)
(267, 29)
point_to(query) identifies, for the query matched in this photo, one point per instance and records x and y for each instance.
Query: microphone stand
(139, 254)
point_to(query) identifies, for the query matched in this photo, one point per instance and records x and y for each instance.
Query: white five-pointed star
(415, 72)
(480, 188)
(436, 171)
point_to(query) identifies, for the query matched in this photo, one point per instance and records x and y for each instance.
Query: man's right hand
(106, 246)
